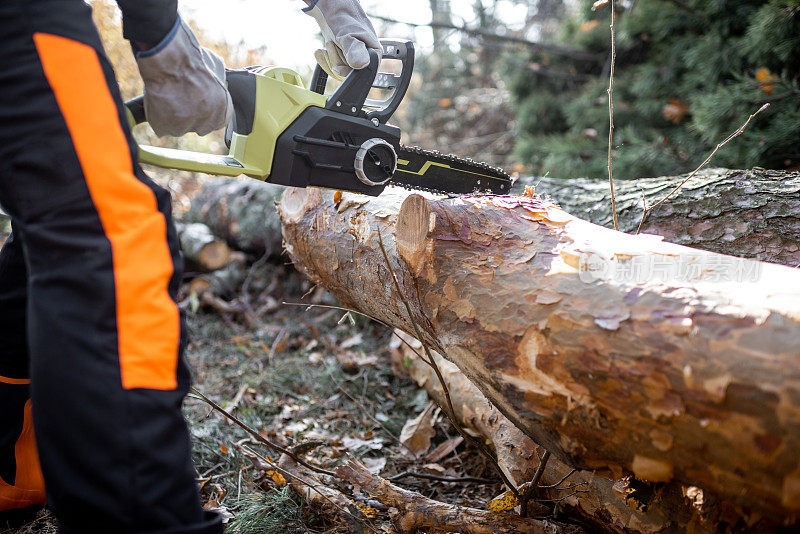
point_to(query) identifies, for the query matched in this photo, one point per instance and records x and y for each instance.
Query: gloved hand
(347, 32)
(184, 85)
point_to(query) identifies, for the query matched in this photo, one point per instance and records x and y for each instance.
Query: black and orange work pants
(90, 334)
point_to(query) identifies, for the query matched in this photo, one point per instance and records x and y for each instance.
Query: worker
(91, 338)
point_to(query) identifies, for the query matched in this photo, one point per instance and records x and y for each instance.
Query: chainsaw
(285, 133)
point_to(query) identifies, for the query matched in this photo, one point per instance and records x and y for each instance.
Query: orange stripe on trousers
(14, 381)
(148, 321)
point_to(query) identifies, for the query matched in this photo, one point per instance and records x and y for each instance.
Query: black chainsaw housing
(319, 148)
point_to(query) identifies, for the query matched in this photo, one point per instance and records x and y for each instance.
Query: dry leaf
(764, 75)
(368, 511)
(417, 432)
(599, 4)
(674, 111)
(445, 103)
(277, 478)
(503, 503)
(354, 444)
(374, 465)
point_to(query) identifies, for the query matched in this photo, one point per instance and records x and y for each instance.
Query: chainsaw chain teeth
(497, 172)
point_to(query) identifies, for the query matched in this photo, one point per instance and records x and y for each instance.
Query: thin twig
(611, 119)
(565, 497)
(260, 438)
(406, 474)
(691, 174)
(531, 489)
(450, 410)
(574, 53)
(561, 481)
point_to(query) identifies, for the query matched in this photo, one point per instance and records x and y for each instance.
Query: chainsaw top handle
(350, 97)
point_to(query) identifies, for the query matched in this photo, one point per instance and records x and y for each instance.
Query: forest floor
(301, 374)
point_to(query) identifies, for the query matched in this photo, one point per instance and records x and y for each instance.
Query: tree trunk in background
(440, 13)
(623, 506)
(615, 352)
(750, 214)
(240, 211)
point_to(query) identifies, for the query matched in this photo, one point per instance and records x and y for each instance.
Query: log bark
(240, 211)
(620, 506)
(746, 213)
(202, 248)
(615, 352)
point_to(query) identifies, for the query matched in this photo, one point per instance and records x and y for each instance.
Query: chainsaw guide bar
(430, 170)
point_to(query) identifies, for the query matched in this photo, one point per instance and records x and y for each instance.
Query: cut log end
(214, 255)
(294, 203)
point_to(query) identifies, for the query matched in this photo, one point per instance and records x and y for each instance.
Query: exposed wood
(623, 506)
(750, 214)
(417, 512)
(201, 247)
(615, 352)
(240, 211)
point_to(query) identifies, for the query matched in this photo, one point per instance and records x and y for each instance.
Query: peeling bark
(615, 352)
(625, 506)
(750, 214)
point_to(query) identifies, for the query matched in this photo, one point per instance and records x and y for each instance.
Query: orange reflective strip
(148, 321)
(28, 488)
(15, 381)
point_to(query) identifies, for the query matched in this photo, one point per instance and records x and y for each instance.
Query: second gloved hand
(348, 33)
(184, 85)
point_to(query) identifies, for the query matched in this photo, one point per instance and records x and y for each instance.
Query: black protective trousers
(89, 326)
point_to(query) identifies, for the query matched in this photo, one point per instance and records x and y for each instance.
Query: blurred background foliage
(688, 73)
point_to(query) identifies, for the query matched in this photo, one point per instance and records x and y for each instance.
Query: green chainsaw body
(287, 134)
(249, 153)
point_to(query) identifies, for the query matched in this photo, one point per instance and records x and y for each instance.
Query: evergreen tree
(688, 73)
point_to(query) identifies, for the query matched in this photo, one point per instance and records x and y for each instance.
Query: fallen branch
(417, 512)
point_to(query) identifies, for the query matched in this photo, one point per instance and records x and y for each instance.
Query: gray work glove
(347, 32)
(184, 85)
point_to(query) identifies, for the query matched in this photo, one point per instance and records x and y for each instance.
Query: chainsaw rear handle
(350, 97)
(136, 108)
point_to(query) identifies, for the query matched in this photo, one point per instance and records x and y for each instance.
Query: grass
(328, 379)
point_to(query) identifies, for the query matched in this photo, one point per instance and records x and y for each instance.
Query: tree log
(624, 506)
(750, 214)
(201, 247)
(615, 352)
(240, 211)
